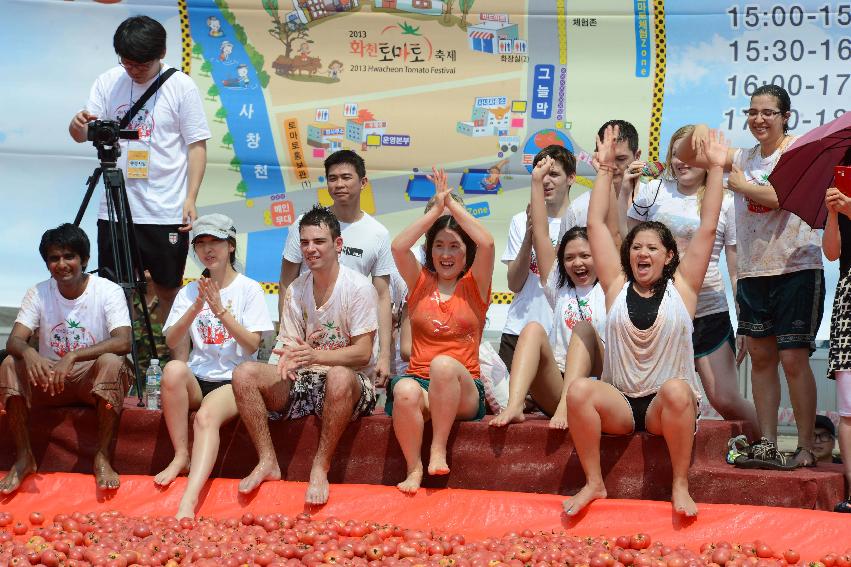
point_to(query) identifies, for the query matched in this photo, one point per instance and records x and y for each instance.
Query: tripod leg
(90, 188)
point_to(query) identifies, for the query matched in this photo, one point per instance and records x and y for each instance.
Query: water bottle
(152, 385)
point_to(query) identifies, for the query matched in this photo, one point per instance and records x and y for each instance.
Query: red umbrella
(805, 170)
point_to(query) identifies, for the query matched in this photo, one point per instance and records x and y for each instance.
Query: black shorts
(711, 332)
(507, 344)
(786, 306)
(163, 249)
(209, 386)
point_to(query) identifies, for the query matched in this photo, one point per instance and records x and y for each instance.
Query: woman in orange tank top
(447, 305)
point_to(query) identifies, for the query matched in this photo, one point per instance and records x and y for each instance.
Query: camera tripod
(126, 258)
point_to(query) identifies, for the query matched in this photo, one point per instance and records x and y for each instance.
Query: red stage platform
(526, 457)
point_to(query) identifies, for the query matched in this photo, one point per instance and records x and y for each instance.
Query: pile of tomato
(113, 539)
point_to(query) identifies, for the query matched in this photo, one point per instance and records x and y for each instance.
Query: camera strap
(163, 77)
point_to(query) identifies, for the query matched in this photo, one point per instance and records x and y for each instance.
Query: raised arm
(695, 260)
(692, 150)
(603, 246)
(482, 267)
(544, 250)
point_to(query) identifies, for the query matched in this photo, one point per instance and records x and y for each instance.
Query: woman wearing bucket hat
(220, 317)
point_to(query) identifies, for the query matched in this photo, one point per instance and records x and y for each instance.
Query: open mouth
(581, 275)
(447, 264)
(643, 267)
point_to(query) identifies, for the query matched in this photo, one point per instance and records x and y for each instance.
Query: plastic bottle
(152, 385)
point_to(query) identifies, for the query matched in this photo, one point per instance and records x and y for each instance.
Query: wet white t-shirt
(659, 200)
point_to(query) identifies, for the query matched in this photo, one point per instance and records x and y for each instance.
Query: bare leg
(180, 394)
(720, 382)
(533, 367)
(256, 387)
(765, 382)
(342, 392)
(166, 297)
(105, 475)
(452, 395)
(802, 392)
(594, 407)
(845, 446)
(218, 408)
(410, 411)
(17, 415)
(584, 358)
(672, 413)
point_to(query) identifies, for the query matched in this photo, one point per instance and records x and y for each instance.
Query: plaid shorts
(307, 395)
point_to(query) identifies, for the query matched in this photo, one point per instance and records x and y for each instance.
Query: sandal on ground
(843, 507)
(810, 461)
(765, 456)
(738, 450)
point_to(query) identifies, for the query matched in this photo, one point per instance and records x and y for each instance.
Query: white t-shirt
(576, 214)
(215, 353)
(770, 241)
(72, 324)
(352, 310)
(169, 121)
(366, 247)
(529, 304)
(571, 305)
(661, 201)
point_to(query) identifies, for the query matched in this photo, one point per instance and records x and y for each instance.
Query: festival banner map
(475, 86)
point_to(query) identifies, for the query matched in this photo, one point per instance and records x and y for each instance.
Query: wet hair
(68, 236)
(784, 103)
(140, 39)
(626, 132)
(346, 156)
(668, 241)
(448, 223)
(569, 236)
(232, 258)
(319, 216)
(560, 154)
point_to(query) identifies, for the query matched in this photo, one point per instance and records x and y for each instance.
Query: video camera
(108, 132)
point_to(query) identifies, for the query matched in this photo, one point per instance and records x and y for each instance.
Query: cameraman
(169, 158)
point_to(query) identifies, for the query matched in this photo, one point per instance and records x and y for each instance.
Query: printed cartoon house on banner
(427, 7)
(486, 121)
(359, 129)
(325, 135)
(309, 10)
(485, 36)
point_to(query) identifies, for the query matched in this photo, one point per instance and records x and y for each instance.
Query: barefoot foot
(179, 465)
(105, 475)
(185, 512)
(317, 489)
(22, 468)
(412, 482)
(506, 416)
(262, 472)
(682, 502)
(437, 462)
(585, 496)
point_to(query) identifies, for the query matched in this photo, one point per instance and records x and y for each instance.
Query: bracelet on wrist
(220, 313)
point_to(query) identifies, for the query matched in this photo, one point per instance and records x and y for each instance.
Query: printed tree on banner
(447, 10)
(241, 188)
(197, 51)
(235, 163)
(465, 6)
(364, 115)
(227, 140)
(285, 31)
(221, 114)
(206, 68)
(213, 92)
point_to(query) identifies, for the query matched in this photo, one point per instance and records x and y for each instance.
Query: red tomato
(19, 528)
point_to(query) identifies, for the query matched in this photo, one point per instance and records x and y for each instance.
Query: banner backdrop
(476, 86)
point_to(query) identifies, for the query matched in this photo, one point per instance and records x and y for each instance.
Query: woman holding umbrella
(780, 289)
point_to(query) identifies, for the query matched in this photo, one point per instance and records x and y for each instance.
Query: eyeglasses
(768, 114)
(130, 66)
(822, 437)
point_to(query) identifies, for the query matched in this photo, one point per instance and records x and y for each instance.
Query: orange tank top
(452, 327)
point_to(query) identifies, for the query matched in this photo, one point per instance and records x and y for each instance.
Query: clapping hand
(211, 293)
(715, 148)
(441, 189)
(607, 148)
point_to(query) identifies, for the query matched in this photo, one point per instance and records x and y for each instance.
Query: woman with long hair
(447, 302)
(221, 317)
(648, 380)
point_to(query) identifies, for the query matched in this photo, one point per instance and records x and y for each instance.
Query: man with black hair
(366, 247)
(166, 163)
(84, 333)
(323, 358)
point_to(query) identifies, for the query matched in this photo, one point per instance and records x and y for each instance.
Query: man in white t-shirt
(168, 159)
(366, 247)
(83, 334)
(322, 361)
(529, 303)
